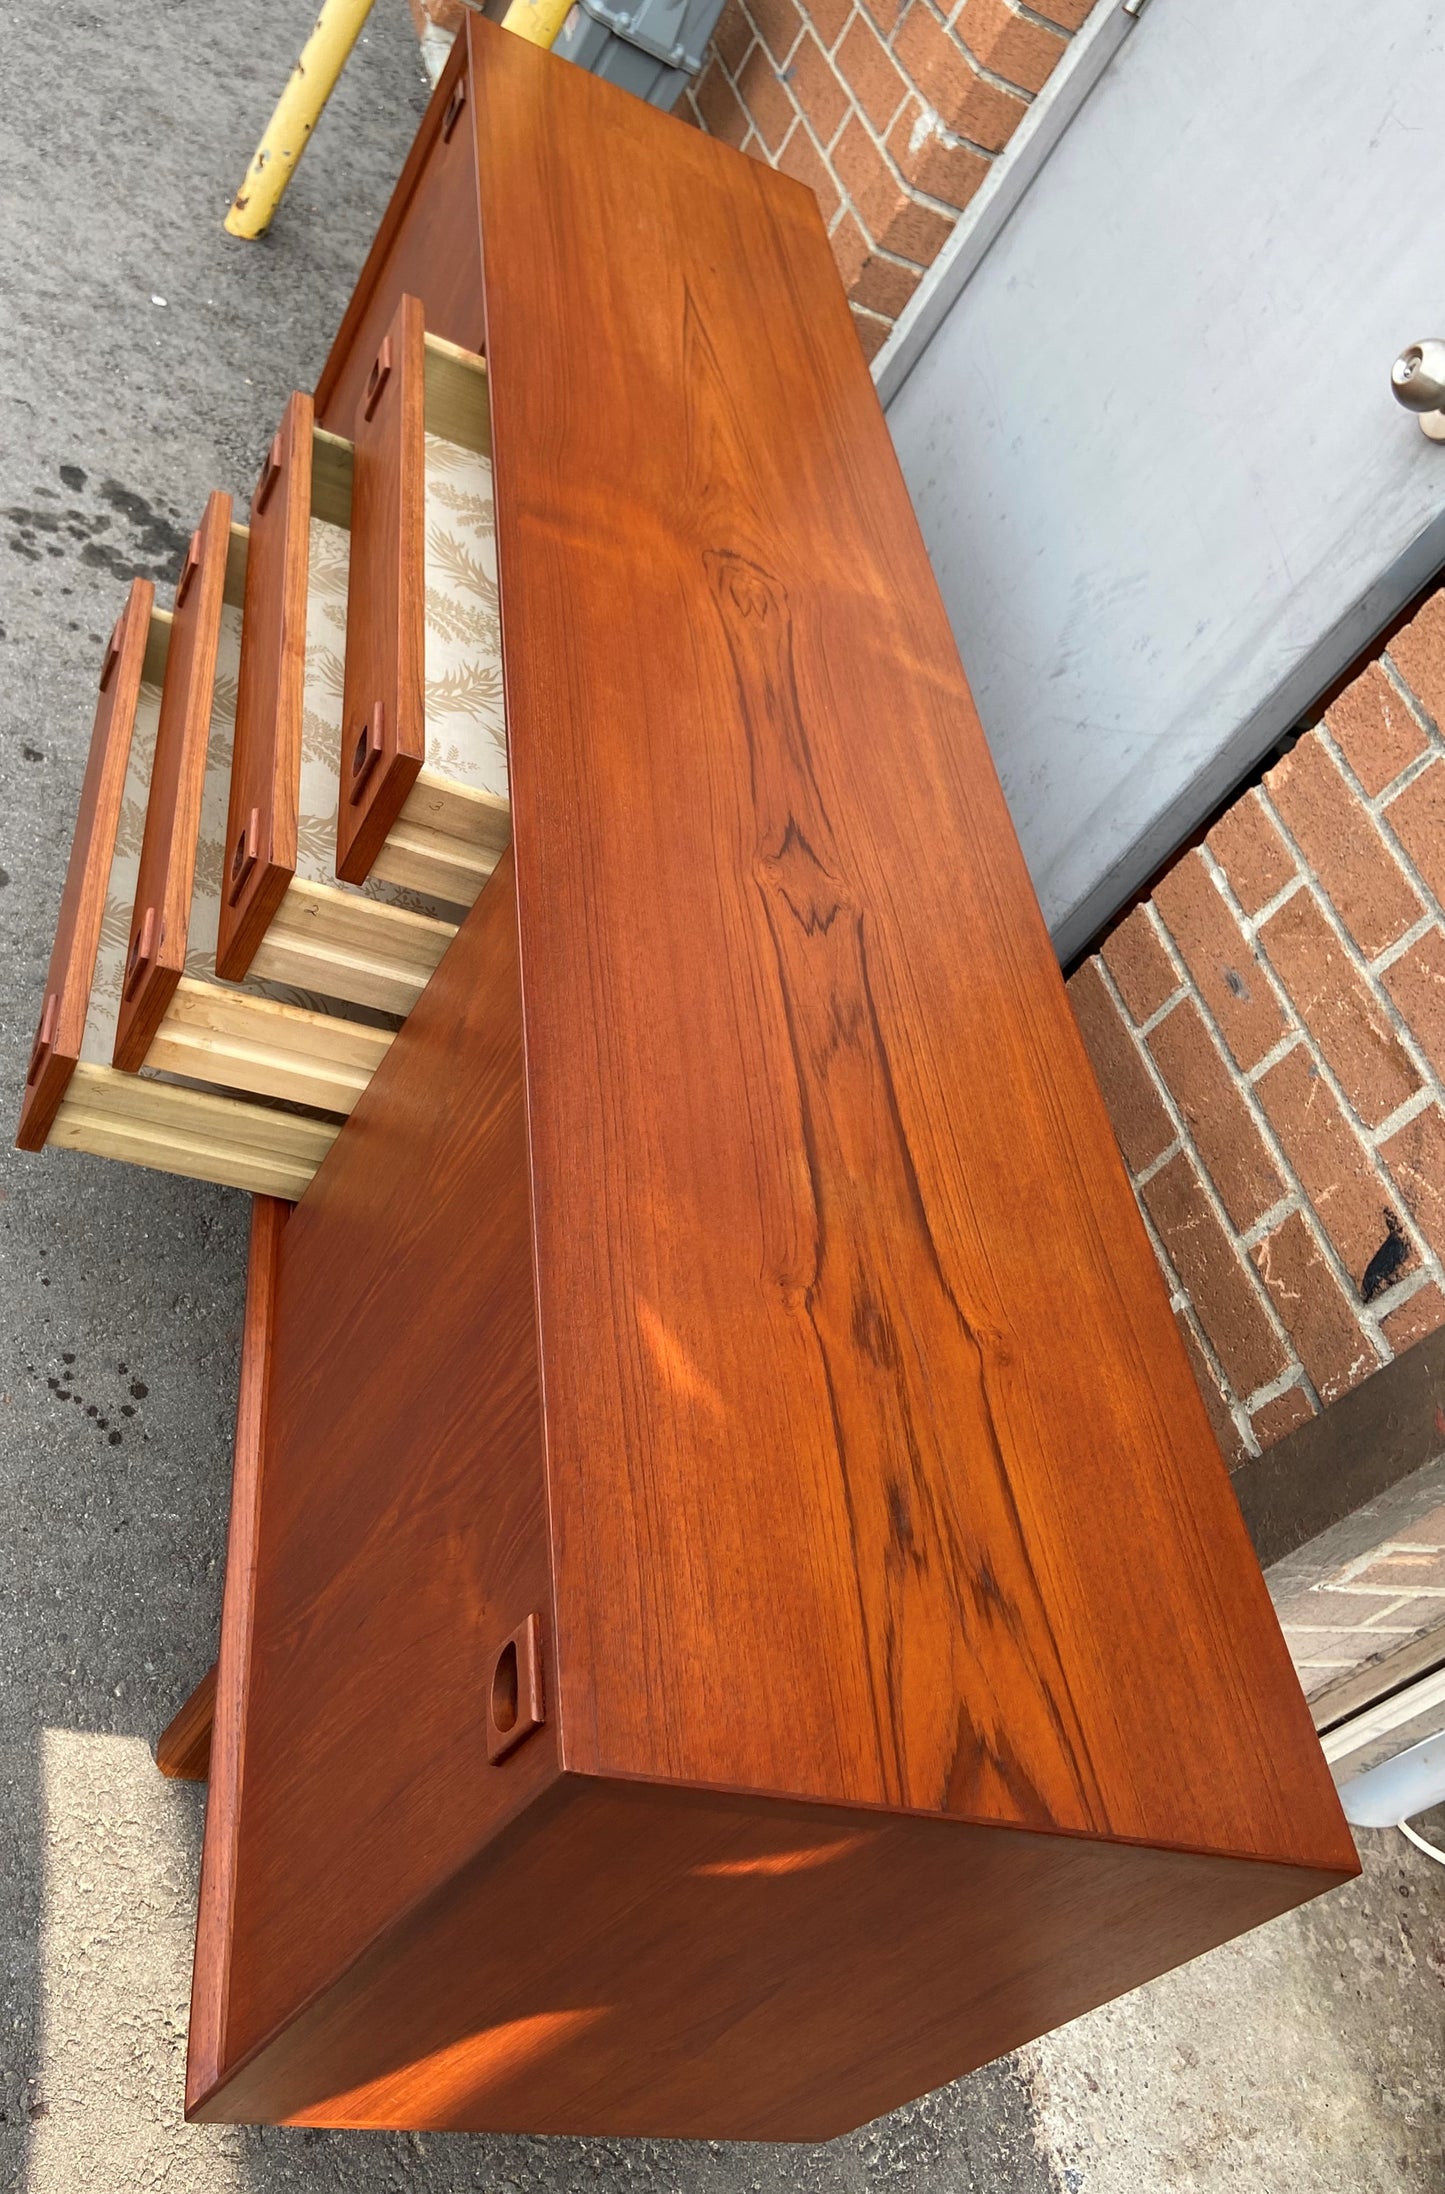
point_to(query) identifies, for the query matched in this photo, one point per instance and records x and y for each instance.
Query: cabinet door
(383, 732)
(161, 917)
(428, 246)
(82, 902)
(1152, 446)
(266, 759)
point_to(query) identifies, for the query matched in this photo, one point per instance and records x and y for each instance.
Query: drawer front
(161, 916)
(82, 902)
(383, 737)
(266, 761)
(428, 246)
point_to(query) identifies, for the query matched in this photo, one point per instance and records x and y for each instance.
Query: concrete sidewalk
(144, 359)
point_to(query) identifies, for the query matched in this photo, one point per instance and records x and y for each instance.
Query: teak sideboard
(734, 1613)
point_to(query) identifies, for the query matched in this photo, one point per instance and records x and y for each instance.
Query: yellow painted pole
(298, 110)
(537, 20)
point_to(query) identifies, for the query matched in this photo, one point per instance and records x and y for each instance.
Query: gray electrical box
(651, 48)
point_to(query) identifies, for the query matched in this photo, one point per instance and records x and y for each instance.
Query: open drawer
(172, 1014)
(75, 1097)
(423, 795)
(400, 527)
(283, 904)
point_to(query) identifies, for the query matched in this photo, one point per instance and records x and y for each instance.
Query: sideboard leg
(183, 1749)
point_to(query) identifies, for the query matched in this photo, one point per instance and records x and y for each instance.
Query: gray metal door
(1152, 444)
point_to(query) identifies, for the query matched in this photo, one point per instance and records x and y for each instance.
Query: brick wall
(892, 112)
(1269, 1033)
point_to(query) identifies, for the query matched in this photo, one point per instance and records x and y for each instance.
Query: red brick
(1418, 654)
(873, 333)
(1424, 1313)
(828, 18)
(718, 104)
(867, 67)
(1216, 1404)
(1427, 1530)
(733, 36)
(964, 101)
(1347, 1193)
(1142, 1125)
(851, 250)
(1415, 1154)
(885, 285)
(801, 159)
(932, 159)
(1008, 43)
(1338, 1009)
(778, 24)
(1230, 1146)
(1220, 1290)
(892, 217)
(817, 90)
(1069, 13)
(1313, 1310)
(1409, 1572)
(1223, 963)
(1139, 965)
(885, 13)
(1248, 847)
(1417, 817)
(1374, 730)
(1338, 838)
(1416, 983)
(1286, 1413)
(767, 100)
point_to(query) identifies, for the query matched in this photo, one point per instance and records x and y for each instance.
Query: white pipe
(1398, 1789)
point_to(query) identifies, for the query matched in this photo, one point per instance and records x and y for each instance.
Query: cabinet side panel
(653, 1963)
(877, 1468)
(402, 1538)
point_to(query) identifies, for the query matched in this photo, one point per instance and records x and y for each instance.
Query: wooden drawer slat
(82, 904)
(172, 1129)
(161, 917)
(446, 841)
(323, 940)
(236, 1040)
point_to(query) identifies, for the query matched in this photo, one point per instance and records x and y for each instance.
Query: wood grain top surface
(876, 1471)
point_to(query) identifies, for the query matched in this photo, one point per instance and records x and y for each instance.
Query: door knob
(1418, 381)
